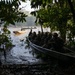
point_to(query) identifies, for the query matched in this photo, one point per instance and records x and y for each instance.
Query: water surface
(19, 54)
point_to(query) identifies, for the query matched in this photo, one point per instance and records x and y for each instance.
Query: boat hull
(53, 53)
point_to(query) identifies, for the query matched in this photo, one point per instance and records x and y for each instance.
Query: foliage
(43, 3)
(55, 15)
(5, 40)
(59, 15)
(10, 12)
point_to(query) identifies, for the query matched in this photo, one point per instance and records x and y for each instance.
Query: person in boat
(47, 43)
(48, 37)
(43, 38)
(30, 33)
(57, 42)
(37, 40)
(33, 36)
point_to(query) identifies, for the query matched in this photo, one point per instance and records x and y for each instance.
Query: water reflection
(20, 54)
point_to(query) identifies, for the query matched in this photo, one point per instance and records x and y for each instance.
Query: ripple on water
(18, 54)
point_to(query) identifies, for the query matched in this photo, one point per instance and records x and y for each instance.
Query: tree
(9, 14)
(72, 8)
(59, 13)
(9, 11)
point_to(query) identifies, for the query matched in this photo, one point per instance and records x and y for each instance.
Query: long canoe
(67, 56)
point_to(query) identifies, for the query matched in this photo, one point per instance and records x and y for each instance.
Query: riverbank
(35, 69)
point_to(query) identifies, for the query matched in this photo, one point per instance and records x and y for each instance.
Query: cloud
(26, 6)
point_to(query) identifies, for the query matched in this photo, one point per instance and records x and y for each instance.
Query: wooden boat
(19, 32)
(66, 56)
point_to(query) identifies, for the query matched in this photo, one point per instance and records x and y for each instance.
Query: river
(19, 54)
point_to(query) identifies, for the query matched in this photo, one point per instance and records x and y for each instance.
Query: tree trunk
(72, 8)
(41, 29)
(0, 60)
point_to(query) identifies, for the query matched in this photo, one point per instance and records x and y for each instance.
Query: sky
(26, 6)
